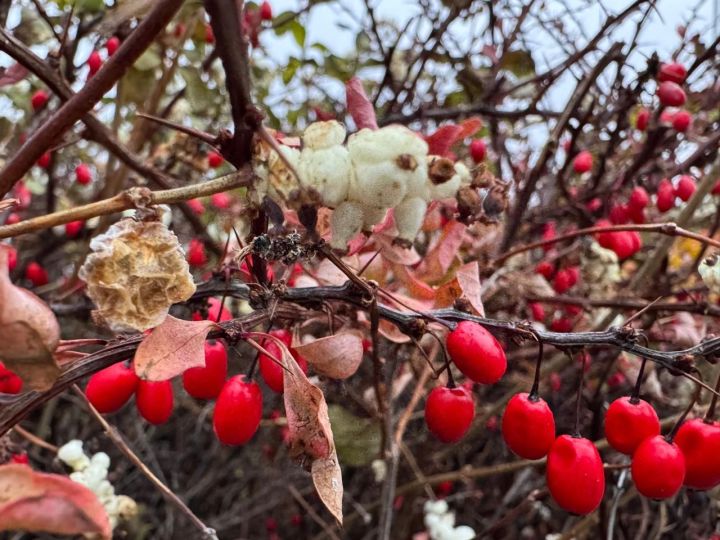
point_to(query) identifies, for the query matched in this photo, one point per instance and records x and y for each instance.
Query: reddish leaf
(470, 127)
(396, 254)
(359, 106)
(14, 74)
(327, 477)
(443, 252)
(417, 288)
(39, 502)
(171, 348)
(337, 356)
(29, 332)
(442, 139)
(465, 285)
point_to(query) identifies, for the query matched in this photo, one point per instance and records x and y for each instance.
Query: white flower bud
(72, 454)
(409, 216)
(346, 221)
(329, 171)
(320, 135)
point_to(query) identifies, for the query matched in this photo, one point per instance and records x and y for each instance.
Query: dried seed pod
(135, 272)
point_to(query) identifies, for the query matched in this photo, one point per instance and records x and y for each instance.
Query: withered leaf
(337, 356)
(466, 286)
(40, 502)
(172, 348)
(327, 478)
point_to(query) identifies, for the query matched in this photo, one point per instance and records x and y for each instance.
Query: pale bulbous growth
(710, 272)
(320, 135)
(409, 216)
(346, 221)
(324, 162)
(372, 216)
(449, 189)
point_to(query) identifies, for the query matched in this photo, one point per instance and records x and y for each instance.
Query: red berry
(716, 188)
(221, 201)
(12, 257)
(21, 458)
(271, 524)
(94, 62)
(682, 120)
(271, 372)
(12, 218)
(44, 161)
(629, 422)
(549, 233)
(583, 162)
(637, 215)
(699, 442)
(207, 381)
(658, 468)
(672, 71)
(296, 520)
(74, 228)
(196, 206)
(214, 159)
(83, 174)
(449, 413)
(209, 34)
(593, 205)
(112, 45)
(574, 274)
(619, 215)
(563, 281)
(573, 309)
(624, 243)
(670, 94)
(111, 388)
(561, 324)
(154, 400)
(639, 198)
(537, 311)
(10, 382)
(213, 311)
(476, 353)
(266, 11)
(665, 196)
(528, 426)
(478, 150)
(196, 253)
(238, 411)
(36, 274)
(575, 475)
(545, 269)
(685, 187)
(555, 382)
(39, 99)
(642, 119)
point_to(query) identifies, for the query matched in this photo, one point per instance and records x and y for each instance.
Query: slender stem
(578, 399)
(670, 436)
(536, 380)
(635, 396)
(710, 414)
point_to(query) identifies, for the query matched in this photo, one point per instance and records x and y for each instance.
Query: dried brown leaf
(172, 348)
(40, 502)
(464, 286)
(327, 478)
(337, 356)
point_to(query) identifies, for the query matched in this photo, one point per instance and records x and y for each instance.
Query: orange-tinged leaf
(327, 478)
(470, 127)
(40, 502)
(337, 356)
(29, 332)
(416, 288)
(442, 254)
(396, 254)
(171, 348)
(465, 285)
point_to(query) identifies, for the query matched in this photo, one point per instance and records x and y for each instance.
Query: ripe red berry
(575, 475)
(154, 401)
(639, 198)
(478, 150)
(628, 422)
(23, 195)
(83, 174)
(563, 281)
(112, 45)
(537, 311)
(561, 324)
(449, 413)
(238, 411)
(672, 71)
(637, 215)
(685, 187)
(213, 312)
(271, 372)
(716, 188)
(21, 458)
(10, 382)
(624, 243)
(658, 468)
(670, 94)
(39, 99)
(206, 382)
(221, 201)
(94, 62)
(583, 162)
(476, 353)
(111, 388)
(699, 442)
(209, 34)
(528, 426)
(214, 159)
(196, 253)
(44, 161)
(36, 274)
(74, 228)
(665, 195)
(594, 204)
(545, 269)
(196, 206)
(266, 11)
(642, 119)
(12, 218)
(619, 215)
(682, 120)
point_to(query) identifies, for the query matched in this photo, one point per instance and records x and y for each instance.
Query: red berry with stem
(39, 99)
(94, 62)
(583, 162)
(575, 475)
(207, 381)
(545, 269)
(639, 198)
(214, 159)
(672, 71)
(44, 161)
(112, 45)
(74, 228)
(528, 426)
(36, 274)
(619, 214)
(213, 311)
(665, 195)
(266, 11)
(658, 468)
(449, 413)
(685, 187)
(196, 253)
(476, 353)
(10, 382)
(238, 411)
(478, 150)
(670, 94)
(83, 174)
(272, 372)
(154, 401)
(699, 441)
(642, 119)
(681, 121)
(628, 422)
(111, 388)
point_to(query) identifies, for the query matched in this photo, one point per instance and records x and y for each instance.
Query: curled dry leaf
(337, 356)
(464, 286)
(171, 348)
(327, 478)
(443, 253)
(40, 502)
(29, 332)
(135, 272)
